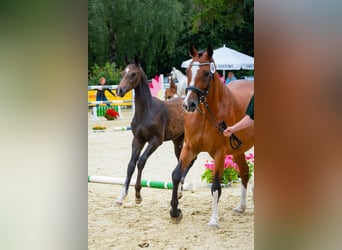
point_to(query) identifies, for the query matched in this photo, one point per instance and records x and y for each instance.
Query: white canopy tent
(229, 59)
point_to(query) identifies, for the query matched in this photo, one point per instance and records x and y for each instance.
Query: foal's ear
(136, 59)
(126, 60)
(192, 50)
(210, 51)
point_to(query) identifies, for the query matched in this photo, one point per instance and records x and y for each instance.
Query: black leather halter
(202, 94)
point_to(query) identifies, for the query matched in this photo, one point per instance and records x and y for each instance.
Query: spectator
(230, 77)
(100, 95)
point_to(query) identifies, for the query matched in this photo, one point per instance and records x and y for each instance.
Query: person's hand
(228, 131)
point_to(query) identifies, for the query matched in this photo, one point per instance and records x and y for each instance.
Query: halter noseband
(202, 94)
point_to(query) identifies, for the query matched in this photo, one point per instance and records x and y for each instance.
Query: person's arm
(110, 91)
(245, 122)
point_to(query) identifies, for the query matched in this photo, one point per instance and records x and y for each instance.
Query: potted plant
(111, 114)
(230, 169)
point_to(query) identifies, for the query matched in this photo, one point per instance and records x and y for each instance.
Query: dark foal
(154, 121)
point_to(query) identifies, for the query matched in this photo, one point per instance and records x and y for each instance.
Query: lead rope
(234, 141)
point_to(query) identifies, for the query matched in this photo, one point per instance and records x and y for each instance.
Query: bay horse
(182, 81)
(154, 121)
(171, 92)
(208, 102)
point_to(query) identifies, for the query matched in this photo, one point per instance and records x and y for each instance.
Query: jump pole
(122, 128)
(144, 183)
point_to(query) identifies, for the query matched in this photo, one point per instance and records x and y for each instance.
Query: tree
(98, 32)
(160, 31)
(126, 27)
(229, 13)
(221, 27)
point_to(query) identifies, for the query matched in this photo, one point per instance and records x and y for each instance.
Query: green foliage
(208, 176)
(160, 31)
(128, 27)
(251, 169)
(230, 169)
(108, 71)
(98, 32)
(229, 174)
(230, 13)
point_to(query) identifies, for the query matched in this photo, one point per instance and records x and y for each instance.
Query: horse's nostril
(192, 106)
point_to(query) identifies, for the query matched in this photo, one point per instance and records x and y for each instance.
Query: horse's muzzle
(120, 92)
(190, 106)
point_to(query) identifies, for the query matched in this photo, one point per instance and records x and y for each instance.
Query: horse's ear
(136, 59)
(126, 60)
(192, 50)
(210, 51)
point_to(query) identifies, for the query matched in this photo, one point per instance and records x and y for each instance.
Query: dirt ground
(148, 225)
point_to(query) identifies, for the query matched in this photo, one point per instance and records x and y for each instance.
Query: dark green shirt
(100, 94)
(250, 108)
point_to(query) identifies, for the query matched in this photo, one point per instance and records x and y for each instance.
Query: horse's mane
(144, 78)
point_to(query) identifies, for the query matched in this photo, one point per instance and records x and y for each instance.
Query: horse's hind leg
(244, 169)
(136, 149)
(152, 146)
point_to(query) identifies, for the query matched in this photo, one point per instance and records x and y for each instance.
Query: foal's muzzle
(120, 92)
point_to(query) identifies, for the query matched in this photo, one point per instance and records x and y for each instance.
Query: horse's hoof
(239, 209)
(176, 220)
(118, 203)
(138, 200)
(213, 221)
(212, 224)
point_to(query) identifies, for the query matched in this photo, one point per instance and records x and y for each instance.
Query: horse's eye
(133, 75)
(206, 74)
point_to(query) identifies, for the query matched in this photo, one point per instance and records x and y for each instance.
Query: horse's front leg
(216, 188)
(152, 146)
(244, 169)
(187, 158)
(175, 213)
(178, 145)
(136, 149)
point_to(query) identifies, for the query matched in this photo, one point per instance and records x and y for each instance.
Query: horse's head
(200, 73)
(131, 77)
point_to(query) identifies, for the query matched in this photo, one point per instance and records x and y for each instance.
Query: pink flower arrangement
(230, 169)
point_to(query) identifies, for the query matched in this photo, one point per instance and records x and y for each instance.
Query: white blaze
(194, 69)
